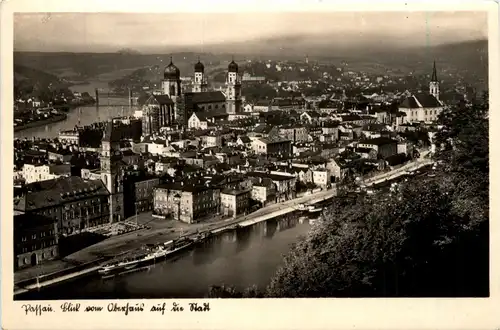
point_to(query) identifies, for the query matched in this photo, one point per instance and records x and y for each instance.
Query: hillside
(22, 73)
(89, 65)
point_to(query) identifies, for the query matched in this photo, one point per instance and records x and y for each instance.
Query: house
(285, 183)
(262, 106)
(328, 150)
(272, 147)
(198, 121)
(366, 153)
(189, 203)
(34, 173)
(331, 128)
(372, 131)
(138, 193)
(263, 191)
(248, 108)
(287, 103)
(310, 117)
(234, 202)
(75, 204)
(202, 161)
(294, 133)
(35, 240)
(244, 141)
(338, 168)
(264, 130)
(213, 139)
(321, 177)
(384, 146)
(61, 155)
(71, 137)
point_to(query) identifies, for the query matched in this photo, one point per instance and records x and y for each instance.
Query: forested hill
(22, 72)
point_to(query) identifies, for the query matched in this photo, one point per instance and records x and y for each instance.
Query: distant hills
(469, 58)
(23, 73)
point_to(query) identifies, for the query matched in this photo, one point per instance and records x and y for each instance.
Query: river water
(241, 258)
(109, 108)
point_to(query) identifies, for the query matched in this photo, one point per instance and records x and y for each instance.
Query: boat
(149, 255)
(125, 263)
(315, 209)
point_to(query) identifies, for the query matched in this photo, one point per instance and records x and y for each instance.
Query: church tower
(434, 83)
(200, 81)
(111, 172)
(233, 89)
(171, 86)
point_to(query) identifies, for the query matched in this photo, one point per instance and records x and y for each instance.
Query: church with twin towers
(172, 107)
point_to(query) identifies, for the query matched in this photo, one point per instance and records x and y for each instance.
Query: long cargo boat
(147, 255)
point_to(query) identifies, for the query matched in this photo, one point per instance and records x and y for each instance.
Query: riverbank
(50, 120)
(128, 242)
(168, 231)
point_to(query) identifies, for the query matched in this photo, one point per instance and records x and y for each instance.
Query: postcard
(250, 165)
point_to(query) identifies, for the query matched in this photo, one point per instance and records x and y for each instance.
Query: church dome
(232, 67)
(171, 71)
(199, 67)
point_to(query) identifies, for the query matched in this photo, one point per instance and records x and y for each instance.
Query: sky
(109, 32)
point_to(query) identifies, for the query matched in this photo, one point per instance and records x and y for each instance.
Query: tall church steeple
(111, 171)
(434, 83)
(233, 88)
(200, 81)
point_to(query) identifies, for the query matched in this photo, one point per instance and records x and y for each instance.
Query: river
(241, 258)
(83, 115)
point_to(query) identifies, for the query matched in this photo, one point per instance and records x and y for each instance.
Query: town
(261, 138)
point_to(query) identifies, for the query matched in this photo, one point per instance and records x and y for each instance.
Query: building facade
(234, 202)
(73, 203)
(35, 240)
(187, 203)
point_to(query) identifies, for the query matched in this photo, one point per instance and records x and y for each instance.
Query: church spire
(434, 73)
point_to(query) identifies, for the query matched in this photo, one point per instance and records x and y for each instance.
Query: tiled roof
(163, 99)
(27, 221)
(350, 118)
(234, 192)
(409, 103)
(374, 127)
(245, 139)
(60, 169)
(263, 129)
(208, 97)
(274, 177)
(420, 100)
(58, 191)
(185, 187)
(428, 100)
(378, 141)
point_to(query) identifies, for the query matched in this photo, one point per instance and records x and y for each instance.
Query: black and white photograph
(329, 154)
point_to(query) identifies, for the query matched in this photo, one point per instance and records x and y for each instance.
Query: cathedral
(173, 107)
(423, 107)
